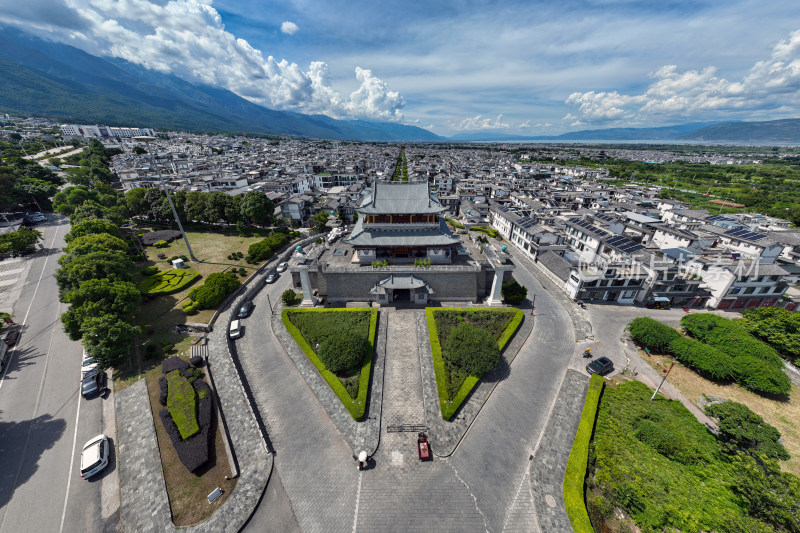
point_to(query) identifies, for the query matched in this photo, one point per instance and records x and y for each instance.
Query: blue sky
(534, 67)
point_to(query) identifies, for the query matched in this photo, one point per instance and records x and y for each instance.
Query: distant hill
(610, 134)
(38, 77)
(771, 131)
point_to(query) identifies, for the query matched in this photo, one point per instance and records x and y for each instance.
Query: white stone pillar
(496, 297)
(308, 297)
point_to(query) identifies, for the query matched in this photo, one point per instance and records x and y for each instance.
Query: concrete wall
(356, 285)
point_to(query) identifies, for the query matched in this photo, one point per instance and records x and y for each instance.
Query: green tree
(257, 208)
(16, 241)
(320, 219)
(96, 297)
(92, 227)
(289, 297)
(135, 200)
(776, 326)
(96, 265)
(107, 338)
(513, 293)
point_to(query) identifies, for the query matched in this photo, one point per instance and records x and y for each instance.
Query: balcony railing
(402, 268)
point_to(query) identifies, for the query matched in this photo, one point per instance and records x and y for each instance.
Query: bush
(160, 244)
(263, 250)
(196, 361)
(308, 326)
(707, 360)
(174, 257)
(174, 363)
(182, 404)
(778, 327)
(149, 271)
(343, 352)
(242, 272)
(216, 287)
(758, 375)
(289, 298)
(191, 310)
(728, 336)
(471, 349)
(746, 431)
(169, 281)
(513, 293)
(578, 458)
(162, 387)
(652, 333)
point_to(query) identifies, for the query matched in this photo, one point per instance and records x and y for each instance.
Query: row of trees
(22, 181)
(97, 269)
(253, 207)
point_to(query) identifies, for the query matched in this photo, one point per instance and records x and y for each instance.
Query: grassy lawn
(311, 327)
(158, 315)
(453, 384)
(187, 491)
(785, 416)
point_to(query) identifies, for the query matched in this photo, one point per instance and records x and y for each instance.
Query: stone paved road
(494, 456)
(400, 493)
(314, 463)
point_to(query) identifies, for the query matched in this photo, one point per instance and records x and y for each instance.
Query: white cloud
(478, 122)
(700, 93)
(289, 28)
(188, 39)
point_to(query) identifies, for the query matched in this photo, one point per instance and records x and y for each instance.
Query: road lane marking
(25, 320)
(33, 417)
(72, 459)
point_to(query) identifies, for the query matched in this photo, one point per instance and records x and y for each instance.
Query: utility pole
(666, 373)
(169, 199)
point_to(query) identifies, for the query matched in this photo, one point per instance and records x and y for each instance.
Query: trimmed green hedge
(169, 281)
(363, 385)
(447, 406)
(575, 474)
(453, 223)
(182, 403)
(728, 336)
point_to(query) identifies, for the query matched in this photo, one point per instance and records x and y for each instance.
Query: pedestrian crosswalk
(13, 272)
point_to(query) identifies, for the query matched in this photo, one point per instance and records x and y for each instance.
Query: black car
(601, 365)
(246, 309)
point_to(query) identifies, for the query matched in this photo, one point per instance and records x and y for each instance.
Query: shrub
(471, 349)
(289, 298)
(266, 248)
(196, 361)
(242, 272)
(191, 310)
(174, 257)
(760, 376)
(343, 351)
(778, 327)
(182, 404)
(728, 336)
(707, 360)
(652, 333)
(745, 430)
(160, 244)
(578, 458)
(174, 363)
(169, 281)
(513, 293)
(162, 387)
(149, 271)
(214, 290)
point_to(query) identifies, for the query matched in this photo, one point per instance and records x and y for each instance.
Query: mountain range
(43, 78)
(39, 77)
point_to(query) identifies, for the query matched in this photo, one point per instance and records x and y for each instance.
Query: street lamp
(148, 139)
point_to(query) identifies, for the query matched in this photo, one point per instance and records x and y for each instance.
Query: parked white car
(236, 330)
(94, 456)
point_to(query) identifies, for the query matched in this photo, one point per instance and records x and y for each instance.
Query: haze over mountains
(38, 77)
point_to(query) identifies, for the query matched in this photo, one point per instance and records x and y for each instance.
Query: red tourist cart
(423, 449)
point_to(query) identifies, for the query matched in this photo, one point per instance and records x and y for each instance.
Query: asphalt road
(44, 422)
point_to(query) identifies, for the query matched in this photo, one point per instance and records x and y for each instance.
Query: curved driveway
(315, 465)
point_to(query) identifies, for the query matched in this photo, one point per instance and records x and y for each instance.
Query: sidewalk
(145, 506)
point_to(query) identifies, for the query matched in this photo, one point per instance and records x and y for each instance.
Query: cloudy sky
(530, 67)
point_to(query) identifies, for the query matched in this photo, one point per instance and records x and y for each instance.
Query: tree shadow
(21, 446)
(500, 372)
